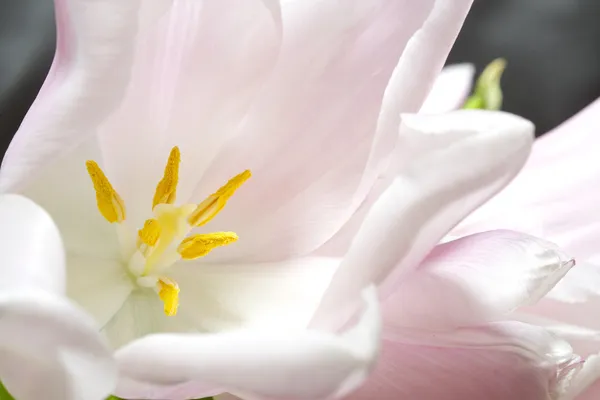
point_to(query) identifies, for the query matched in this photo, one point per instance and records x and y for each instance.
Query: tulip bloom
(208, 162)
(46, 340)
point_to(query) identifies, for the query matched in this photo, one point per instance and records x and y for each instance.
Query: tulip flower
(50, 347)
(208, 162)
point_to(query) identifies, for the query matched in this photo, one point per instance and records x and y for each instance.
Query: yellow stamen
(110, 204)
(210, 207)
(200, 245)
(166, 190)
(168, 291)
(150, 233)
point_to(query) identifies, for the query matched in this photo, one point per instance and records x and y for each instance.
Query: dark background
(552, 48)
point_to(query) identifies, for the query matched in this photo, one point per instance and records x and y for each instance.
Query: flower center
(165, 238)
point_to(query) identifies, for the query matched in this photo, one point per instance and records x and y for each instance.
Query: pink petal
(450, 90)
(322, 105)
(555, 195)
(87, 79)
(574, 301)
(197, 69)
(472, 155)
(252, 363)
(476, 279)
(504, 361)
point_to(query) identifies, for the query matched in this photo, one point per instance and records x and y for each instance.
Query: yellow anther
(210, 207)
(168, 291)
(166, 190)
(200, 245)
(110, 204)
(150, 233)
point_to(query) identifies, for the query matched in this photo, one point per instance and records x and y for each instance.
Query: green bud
(488, 93)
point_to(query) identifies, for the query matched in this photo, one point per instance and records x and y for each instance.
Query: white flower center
(165, 239)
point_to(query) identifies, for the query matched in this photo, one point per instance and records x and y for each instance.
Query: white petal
(268, 296)
(476, 279)
(45, 339)
(450, 89)
(260, 364)
(65, 191)
(98, 285)
(429, 197)
(31, 247)
(142, 314)
(51, 349)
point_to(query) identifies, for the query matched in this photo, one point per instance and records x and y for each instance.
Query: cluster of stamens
(165, 238)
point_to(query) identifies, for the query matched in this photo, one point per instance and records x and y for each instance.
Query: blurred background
(552, 48)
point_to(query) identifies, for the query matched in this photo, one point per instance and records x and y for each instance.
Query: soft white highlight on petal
(32, 250)
(430, 196)
(267, 296)
(50, 349)
(100, 286)
(256, 364)
(141, 314)
(450, 90)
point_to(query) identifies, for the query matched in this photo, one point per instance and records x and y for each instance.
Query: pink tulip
(347, 191)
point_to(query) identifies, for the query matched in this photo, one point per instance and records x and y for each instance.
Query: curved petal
(32, 250)
(321, 104)
(51, 349)
(476, 279)
(496, 362)
(87, 80)
(45, 338)
(450, 89)
(253, 363)
(274, 296)
(476, 154)
(555, 195)
(575, 300)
